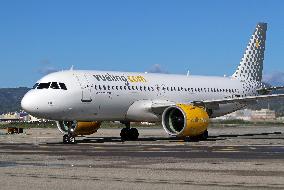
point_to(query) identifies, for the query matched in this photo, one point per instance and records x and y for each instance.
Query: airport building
(10, 117)
(19, 117)
(263, 115)
(244, 114)
(251, 115)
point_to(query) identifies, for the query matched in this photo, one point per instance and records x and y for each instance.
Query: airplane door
(85, 86)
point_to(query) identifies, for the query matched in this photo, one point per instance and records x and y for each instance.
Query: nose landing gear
(129, 134)
(67, 128)
(68, 139)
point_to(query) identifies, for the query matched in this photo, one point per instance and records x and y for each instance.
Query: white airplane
(80, 100)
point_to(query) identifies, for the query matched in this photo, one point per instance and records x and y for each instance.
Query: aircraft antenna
(187, 74)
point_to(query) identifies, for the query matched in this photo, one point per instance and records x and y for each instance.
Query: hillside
(10, 99)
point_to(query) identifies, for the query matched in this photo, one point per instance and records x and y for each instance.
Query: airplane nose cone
(27, 103)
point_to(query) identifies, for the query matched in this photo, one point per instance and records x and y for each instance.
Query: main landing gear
(68, 139)
(129, 134)
(200, 137)
(204, 136)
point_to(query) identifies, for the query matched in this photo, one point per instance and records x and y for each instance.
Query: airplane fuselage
(106, 95)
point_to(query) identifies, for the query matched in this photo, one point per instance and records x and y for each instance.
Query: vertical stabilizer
(251, 65)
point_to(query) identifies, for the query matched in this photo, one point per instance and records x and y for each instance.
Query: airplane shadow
(176, 139)
(118, 139)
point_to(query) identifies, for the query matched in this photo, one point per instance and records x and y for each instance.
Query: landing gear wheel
(71, 139)
(205, 135)
(65, 139)
(200, 137)
(127, 134)
(68, 139)
(133, 134)
(124, 134)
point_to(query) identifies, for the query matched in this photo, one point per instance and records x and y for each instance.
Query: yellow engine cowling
(78, 128)
(184, 120)
(87, 128)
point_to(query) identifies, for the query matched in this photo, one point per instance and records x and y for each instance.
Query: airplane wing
(244, 100)
(158, 107)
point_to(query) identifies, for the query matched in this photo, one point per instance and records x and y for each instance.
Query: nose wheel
(129, 134)
(68, 139)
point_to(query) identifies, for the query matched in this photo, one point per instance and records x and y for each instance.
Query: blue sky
(204, 37)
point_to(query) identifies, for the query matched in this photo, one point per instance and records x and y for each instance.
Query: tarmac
(231, 158)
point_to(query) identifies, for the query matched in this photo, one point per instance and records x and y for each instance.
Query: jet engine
(78, 128)
(185, 120)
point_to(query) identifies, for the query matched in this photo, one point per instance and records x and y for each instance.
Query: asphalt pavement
(231, 158)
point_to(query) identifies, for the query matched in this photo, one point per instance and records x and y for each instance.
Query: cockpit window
(43, 85)
(62, 86)
(54, 85)
(36, 84)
